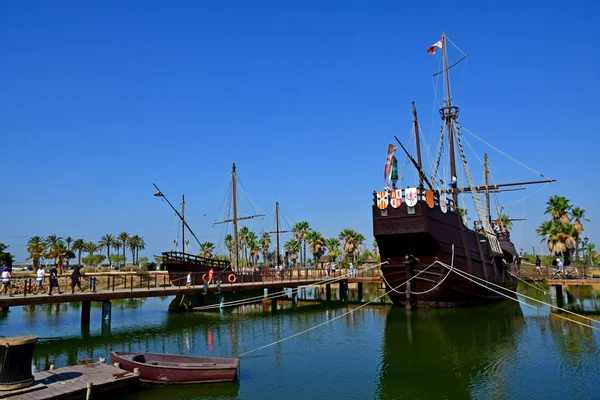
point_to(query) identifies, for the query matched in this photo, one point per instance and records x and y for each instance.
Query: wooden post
(360, 291)
(85, 312)
(106, 310)
(328, 292)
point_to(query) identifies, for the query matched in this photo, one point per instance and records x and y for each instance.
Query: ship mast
(449, 114)
(486, 169)
(235, 219)
(418, 143)
(183, 223)
(277, 232)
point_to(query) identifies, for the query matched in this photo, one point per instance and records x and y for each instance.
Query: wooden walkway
(71, 383)
(154, 287)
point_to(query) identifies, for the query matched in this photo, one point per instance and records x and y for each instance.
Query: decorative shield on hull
(429, 198)
(382, 200)
(396, 198)
(443, 204)
(411, 196)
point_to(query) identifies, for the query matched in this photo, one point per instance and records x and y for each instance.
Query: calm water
(505, 350)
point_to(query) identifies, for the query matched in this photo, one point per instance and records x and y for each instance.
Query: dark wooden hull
(429, 234)
(174, 369)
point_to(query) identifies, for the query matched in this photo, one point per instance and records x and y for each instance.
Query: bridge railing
(26, 284)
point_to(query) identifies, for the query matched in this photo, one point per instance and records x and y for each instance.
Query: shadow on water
(447, 353)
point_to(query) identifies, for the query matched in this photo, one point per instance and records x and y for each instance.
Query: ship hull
(410, 242)
(179, 265)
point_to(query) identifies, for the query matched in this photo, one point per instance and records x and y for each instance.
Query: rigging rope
(504, 154)
(326, 322)
(468, 276)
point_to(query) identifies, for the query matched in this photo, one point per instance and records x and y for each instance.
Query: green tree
(506, 222)
(300, 230)
(265, 243)
(107, 242)
(5, 257)
(123, 242)
(206, 249)
(333, 249)
(58, 252)
(292, 247)
(78, 246)
(558, 207)
(352, 242)
(242, 241)
(36, 247)
(229, 244)
(91, 248)
(316, 243)
(252, 246)
(68, 241)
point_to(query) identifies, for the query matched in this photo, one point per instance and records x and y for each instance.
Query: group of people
(52, 280)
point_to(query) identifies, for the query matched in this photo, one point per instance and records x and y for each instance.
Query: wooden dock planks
(70, 383)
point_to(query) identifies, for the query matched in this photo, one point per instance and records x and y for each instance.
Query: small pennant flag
(436, 45)
(158, 194)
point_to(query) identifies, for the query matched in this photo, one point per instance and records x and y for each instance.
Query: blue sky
(98, 100)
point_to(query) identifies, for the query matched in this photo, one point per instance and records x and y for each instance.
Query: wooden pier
(74, 382)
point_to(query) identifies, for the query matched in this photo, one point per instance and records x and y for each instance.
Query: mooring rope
(254, 299)
(527, 283)
(326, 322)
(469, 277)
(428, 290)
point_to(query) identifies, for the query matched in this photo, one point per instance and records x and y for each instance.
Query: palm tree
(107, 241)
(206, 249)
(141, 245)
(124, 241)
(242, 241)
(333, 248)
(79, 246)
(316, 243)
(229, 244)
(265, 243)
(91, 248)
(251, 244)
(558, 237)
(558, 207)
(36, 246)
(352, 242)
(53, 240)
(254, 246)
(132, 244)
(375, 249)
(578, 214)
(68, 241)
(58, 252)
(300, 230)
(506, 222)
(292, 247)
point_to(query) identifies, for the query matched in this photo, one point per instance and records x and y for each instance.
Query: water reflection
(448, 353)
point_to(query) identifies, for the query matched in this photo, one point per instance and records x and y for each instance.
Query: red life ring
(205, 278)
(232, 278)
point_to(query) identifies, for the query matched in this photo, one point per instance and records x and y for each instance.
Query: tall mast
(183, 223)
(277, 230)
(235, 218)
(418, 143)
(486, 170)
(449, 114)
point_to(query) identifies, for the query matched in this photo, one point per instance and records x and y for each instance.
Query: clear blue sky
(98, 100)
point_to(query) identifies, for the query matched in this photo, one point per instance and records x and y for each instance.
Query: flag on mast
(436, 45)
(158, 194)
(388, 164)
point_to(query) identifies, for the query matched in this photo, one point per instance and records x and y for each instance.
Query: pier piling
(106, 310)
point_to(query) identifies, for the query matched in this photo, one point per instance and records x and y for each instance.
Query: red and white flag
(436, 45)
(388, 164)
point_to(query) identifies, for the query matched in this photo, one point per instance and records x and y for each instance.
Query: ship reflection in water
(448, 353)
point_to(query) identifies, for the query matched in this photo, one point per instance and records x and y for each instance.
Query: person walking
(41, 272)
(53, 281)
(6, 276)
(211, 274)
(188, 282)
(351, 270)
(76, 279)
(538, 265)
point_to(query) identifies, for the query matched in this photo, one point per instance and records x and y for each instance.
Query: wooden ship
(180, 263)
(417, 226)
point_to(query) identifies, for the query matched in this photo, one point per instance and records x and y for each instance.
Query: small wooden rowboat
(168, 368)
